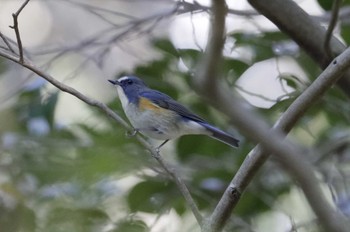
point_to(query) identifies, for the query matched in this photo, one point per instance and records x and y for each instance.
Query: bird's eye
(129, 82)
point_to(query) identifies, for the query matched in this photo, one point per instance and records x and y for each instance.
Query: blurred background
(65, 166)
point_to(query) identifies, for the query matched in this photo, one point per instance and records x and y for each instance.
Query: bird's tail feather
(221, 135)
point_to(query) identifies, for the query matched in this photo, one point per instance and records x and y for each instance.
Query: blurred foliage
(80, 178)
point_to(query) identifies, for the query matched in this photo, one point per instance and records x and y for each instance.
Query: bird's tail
(221, 135)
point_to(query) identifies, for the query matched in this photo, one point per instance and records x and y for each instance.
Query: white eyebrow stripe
(123, 78)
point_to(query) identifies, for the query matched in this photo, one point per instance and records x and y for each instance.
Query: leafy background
(88, 177)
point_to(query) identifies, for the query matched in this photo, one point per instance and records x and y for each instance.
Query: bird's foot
(156, 154)
(158, 148)
(130, 134)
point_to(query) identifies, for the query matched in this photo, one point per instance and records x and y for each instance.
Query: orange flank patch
(146, 104)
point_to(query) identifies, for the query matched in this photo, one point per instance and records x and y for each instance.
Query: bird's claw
(156, 154)
(158, 148)
(132, 133)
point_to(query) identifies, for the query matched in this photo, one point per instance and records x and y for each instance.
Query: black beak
(114, 82)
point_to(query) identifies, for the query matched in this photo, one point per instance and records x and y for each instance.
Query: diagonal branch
(289, 156)
(9, 47)
(256, 129)
(258, 156)
(109, 112)
(210, 64)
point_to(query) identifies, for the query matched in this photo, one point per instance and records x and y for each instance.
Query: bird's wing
(164, 101)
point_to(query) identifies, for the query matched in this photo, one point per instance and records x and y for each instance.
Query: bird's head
(128, 88)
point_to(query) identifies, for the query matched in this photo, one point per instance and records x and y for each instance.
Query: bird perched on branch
(158, 116)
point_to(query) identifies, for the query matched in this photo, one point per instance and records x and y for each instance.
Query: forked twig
(15, 27)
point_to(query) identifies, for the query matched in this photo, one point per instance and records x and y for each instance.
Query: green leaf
(190, 57)
(49, 107)
(131, 226)
(250, 204)
(200, 144)
(166, 46)
(3, 63)
(326, 4)
(77, 220)
(261, 44)
(153, 196)
(156, 68)
(345, 33)
(292, 81)
(234, 67)
(308, 65)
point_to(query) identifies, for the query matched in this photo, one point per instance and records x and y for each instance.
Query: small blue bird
(158, 116)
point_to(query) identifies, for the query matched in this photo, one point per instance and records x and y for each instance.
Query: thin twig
(331, 26)
(117, 34)
(184, 190)
(197, 7)
(255, 94)
(3, 37)
(91, 9)
(95, 11)
(15, 27)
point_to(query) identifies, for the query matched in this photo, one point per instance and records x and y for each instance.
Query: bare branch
(258, 156)
(112, 34)
(209, 66)
(94, 9)
(331, 26)
(181, 185)
(197, 7)
(9, 47)
(15, 27)
(256, 129)
(255, 94)
(272, 142)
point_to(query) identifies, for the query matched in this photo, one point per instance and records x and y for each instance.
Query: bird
(158, 116)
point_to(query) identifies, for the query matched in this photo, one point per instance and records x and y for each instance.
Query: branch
(181, 185)
(257, 130)
(305, 31)
(258, 156)
(210, 64)
(109, 112)
(15, 27)
(331, 26)
(9, 47)
(196, 6)
(272, 141)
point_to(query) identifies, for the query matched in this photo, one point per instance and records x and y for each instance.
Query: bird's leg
(161, 145)
(132, 133)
